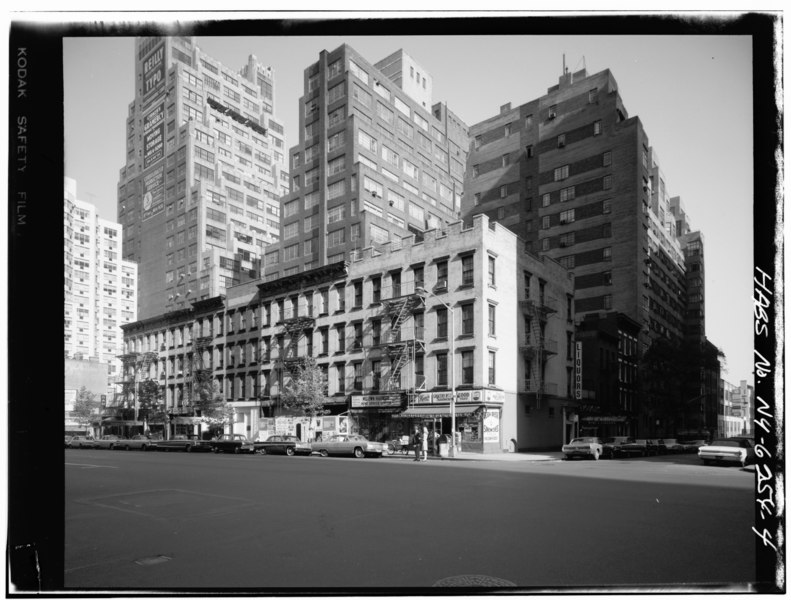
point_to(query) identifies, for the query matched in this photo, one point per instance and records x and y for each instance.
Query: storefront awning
(437, 411)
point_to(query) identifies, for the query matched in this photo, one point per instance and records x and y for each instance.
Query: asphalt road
(159, 521)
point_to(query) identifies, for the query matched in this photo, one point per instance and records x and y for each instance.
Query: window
(597, 128)
(366, 141)
(504, 159)
(566, 240)
(335, 189)
(291, 230)
(492, 311)
(376, 374)
(607, 182)
(358, 72)
(529, 151)
(545, 200)
(442, 274)
(477, 142)
(358, 376)
(336, 213)
(442, 370)
(593, 96)
(606, 206)
(567, 216)
(492, 374)
(467, 319)
(418, 274)
(336, 238)
(476, 200)
(358, 294)
(567, 194)
(467, 367)
(442, 322)
(528, 120)
(607, 159)
(376, 332)
(491, 270)
(376, 289)
(607, 300)
(467, 270)
(336, 165)
(358, 336)
(561, 173)
(607, 253)
(545, 222)
(562, 140)
(361, 95)
(503, 191)
(291, 252)
(475, 170)
(553, 111)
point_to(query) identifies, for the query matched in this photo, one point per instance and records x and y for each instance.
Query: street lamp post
(451, 315)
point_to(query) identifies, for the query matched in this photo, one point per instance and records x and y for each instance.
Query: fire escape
(537, 348)
(201, 369)
(135, 370)
(400, 348)
(294, 329)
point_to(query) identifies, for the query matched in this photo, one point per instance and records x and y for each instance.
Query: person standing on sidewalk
(424, 442)
(416, 442)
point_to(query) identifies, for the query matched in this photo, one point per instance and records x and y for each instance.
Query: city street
(139, 520)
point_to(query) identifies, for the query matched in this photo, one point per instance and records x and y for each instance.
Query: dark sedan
(232, 442)
(283, 444)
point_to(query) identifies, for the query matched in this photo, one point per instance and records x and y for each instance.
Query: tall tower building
(100, 293)
(205, 167)
(577, 178)
(373, 163)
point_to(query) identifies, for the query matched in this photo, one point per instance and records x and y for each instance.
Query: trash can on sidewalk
(443, 450)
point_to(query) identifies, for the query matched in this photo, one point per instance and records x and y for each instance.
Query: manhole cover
(474, 581)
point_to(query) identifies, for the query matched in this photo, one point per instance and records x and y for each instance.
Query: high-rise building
(205, 168)
(577, 178)
(100, 287)
(376, 161)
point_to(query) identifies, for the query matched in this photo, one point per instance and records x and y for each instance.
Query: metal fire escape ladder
(400, 351)
(294, 328)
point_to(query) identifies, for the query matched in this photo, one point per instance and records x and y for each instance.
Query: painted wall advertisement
(153, 135)
(153, 192)
(154, 71)
(491, 426)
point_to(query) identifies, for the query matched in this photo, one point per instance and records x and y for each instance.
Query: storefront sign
(154, 70)
(462, 397)
(603, 419)
(375, 401)
(491, 426)
(153, 192)
(578, 371)
(154, 135)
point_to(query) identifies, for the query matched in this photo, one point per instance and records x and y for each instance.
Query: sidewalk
(497, 457)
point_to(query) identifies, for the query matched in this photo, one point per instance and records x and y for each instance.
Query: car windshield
(585, 440)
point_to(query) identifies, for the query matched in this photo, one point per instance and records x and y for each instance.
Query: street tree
(86, 407)
(208, 400)
(306, 392)
(149, 402)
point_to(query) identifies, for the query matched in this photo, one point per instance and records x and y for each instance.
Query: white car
(739, 450)
(584, 447)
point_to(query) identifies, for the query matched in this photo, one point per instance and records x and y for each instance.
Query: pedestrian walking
(416, 442)
(424, 442)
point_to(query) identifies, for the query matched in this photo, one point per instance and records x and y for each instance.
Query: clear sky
(693, 95)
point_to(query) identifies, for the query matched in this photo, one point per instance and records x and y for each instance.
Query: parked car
(354, 445)
(659, 446)
(182, 442)
(232, 442)
(136, 442)
(106, 442)
(283, 444)
(611, 445)
(691, 446)
(637, 448)
(584, 447)
(739, 450)
(67, 440)
(82, 441)
(673, 446)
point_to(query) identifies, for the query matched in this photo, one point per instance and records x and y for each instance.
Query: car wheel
(236, 450)
(127, 448)
(289, 451)
(262, 451)
(324, 453)
(215, 449)
(595, 455)
(188, 448)
(358, 453)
